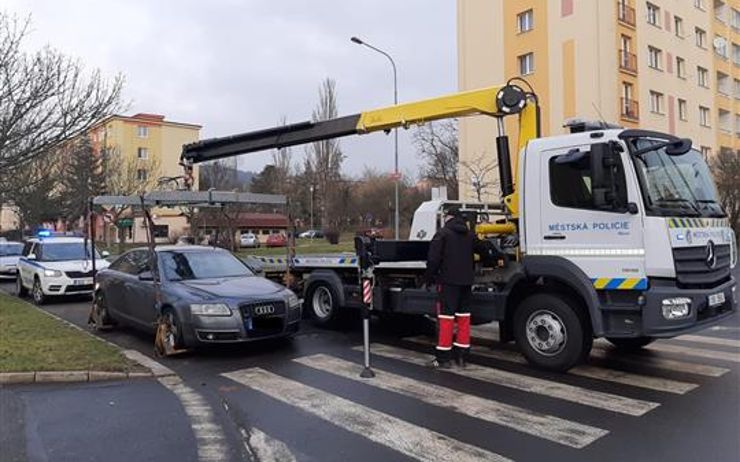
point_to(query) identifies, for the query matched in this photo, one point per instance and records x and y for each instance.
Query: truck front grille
(692, 270)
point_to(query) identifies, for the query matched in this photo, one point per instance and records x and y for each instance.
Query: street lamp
(311, 188)
(396, 177)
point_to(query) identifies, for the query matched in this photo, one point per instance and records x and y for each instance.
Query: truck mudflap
(484, 306)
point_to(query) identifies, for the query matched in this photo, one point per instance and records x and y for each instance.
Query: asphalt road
(303, 400)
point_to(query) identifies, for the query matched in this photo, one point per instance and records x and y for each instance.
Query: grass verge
(31, 340)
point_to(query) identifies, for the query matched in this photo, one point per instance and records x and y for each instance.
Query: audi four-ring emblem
(263, 309)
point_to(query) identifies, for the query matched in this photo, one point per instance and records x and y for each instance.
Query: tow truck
(601, 232)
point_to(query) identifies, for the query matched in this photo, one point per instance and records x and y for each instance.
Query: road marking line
(710, 340)
(608, 353)
(158, 370)
(572, 393)
(409, 439)
(265, 448)
(544, 426)
(591, 372)
(698, 352)
(209, 436)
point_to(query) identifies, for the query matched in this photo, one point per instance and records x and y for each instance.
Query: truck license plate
(716, 299)
(83, 282)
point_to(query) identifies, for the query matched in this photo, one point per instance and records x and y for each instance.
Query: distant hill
(221, 176)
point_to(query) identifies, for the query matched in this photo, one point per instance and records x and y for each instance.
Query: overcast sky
(238, 65)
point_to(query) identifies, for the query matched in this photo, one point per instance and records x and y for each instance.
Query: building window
(701, 37)
(723, 84)
(737, 88)
(142, 174)
(704, 119)
(161, 231)
(655, 58)
(142, 131)
(630, 109)
(678, 26)
(626, 13)
(680, 67)
(736, 53)
(627, 59)
(699, 4)
(702, 77)
(656, 102)
(142, 153)
(720, 11)
(720, 46)
(682, 109)
(735, 20)
(724, 120)
(737, 124)
(706, 152)
(526, 64)
(653, 14)
(525, 21)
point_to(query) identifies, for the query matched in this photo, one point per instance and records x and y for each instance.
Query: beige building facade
(668, 65)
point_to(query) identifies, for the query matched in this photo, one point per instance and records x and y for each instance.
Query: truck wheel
(551, 332)
(37, 293)
(322, 303)
(630, 344)
(20, 291)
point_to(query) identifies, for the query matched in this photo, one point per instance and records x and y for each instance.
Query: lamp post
(311, 189)
(396, 177)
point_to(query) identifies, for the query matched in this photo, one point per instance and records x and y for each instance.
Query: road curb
(20, 378)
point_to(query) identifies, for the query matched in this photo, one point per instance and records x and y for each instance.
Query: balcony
(627, 61)
(630, 109)
(626, 14)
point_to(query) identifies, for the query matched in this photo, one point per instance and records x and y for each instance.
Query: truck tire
(37, 293)
(552, 332)
(322, 304)
(630, 344)
(20, 291)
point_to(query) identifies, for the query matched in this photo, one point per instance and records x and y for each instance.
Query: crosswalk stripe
(409, 439)
(698, 352)
(572, 393)
(592, 372)
(603, 352)
(544, 426)
(710, 340)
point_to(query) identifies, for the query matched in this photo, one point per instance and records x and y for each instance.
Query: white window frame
(655, 58)
(142, 131)
(680, 67)
(525, 21)
(724, 120)
(699, 4)
(144, 151)
(526, 63)
(702, 77)
(737, 88)
(706, 152)
(678, 26)
(140, 177)
(735, 19)
(683, 110)
(701, 37)
(653, 14)
(735, 53)
(724, 86)
(656, 102)
(705, 117)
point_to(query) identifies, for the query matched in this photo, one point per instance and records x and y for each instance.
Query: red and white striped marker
(367, 291)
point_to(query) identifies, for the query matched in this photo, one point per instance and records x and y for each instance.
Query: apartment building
(150, 148)
(668, 65)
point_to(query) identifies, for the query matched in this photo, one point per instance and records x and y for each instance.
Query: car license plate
(82, 282)
(716, 299)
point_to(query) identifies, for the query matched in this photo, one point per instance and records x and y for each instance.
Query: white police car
(10, 253)
(54, 265)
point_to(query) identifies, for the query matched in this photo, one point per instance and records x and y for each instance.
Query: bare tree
(219, 175)
(482, 175)
(437, 147)
(282, 160)
(45, 98)
(726, 170)
(33, 190)
(324, 158)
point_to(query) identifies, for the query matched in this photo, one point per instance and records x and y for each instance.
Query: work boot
(461, 357)
(439, 364)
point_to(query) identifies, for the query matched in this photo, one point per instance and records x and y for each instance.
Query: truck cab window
(570, 183)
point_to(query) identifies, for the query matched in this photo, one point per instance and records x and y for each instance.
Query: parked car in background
(276, 240)
(10, 253)
(311, 234)
(53, 266)
(208, 294)
(249, 240)
(185, 240)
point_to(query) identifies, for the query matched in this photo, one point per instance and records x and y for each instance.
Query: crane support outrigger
(594, 236)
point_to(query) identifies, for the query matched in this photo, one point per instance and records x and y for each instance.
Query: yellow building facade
(153, 145)
(666, 65)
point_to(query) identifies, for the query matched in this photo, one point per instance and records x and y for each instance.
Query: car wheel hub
(322, 302)
(546, 333)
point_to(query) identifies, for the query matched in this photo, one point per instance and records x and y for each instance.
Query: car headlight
(293, 300)
(52, 273)
(210, 309)
(676, 308)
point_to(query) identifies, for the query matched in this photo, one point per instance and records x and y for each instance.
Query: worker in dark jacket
(450, 265)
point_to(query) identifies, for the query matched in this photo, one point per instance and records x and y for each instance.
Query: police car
(10, 252)
(54, 265)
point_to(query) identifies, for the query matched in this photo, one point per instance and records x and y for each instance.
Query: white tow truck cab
(53, 266)
(601, 232)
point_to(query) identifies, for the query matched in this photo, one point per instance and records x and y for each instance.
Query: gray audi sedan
(209, 295)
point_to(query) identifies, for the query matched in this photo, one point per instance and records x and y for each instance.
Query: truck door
(597, 227)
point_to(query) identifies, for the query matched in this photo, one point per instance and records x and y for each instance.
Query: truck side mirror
(603, 159)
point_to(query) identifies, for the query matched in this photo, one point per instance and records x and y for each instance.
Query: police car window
(570, 183)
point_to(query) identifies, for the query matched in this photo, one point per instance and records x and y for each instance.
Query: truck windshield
(676, 185)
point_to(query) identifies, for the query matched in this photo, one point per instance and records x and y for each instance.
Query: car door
(112, 281)
(140, 294)
(26, 266)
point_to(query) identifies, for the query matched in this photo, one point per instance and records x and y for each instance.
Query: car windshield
(183, 266)
(63, 251)
(10, 250)
(676, 185)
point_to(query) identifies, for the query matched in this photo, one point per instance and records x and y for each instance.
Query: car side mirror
(632, 208)
(146, 276)
(105, 254)
(31, 256)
